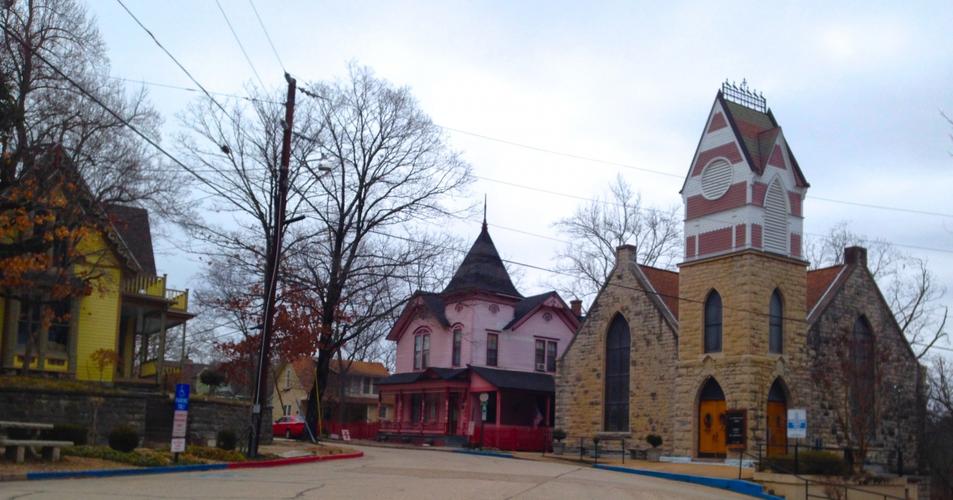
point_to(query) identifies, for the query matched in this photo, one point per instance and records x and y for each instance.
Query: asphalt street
(383, 473)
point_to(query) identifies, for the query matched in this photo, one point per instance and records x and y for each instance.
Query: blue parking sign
(182, 397)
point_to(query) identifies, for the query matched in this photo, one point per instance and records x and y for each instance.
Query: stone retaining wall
(149, 413)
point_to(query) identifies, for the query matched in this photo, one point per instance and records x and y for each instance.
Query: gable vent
(775, 219)
(716, 179)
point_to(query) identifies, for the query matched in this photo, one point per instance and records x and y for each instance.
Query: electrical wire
(267, 36)
(190, 89)
(240, 45)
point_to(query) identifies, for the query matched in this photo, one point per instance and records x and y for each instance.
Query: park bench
(18, 448)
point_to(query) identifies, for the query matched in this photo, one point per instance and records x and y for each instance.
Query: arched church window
(862, 368)
(776, 218)
(618, 347)
(713, 322)
(776, 324)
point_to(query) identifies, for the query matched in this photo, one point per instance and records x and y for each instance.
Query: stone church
(743, 327)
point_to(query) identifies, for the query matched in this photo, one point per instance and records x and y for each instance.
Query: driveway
(383, 473)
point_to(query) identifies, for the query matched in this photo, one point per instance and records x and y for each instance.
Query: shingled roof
(758, 132)
(132, 224)
(482, 270)
(511, 379)
(665, 283)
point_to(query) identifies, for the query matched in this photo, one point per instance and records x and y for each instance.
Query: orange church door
(711, 421)
(777, 428)
(777, 419)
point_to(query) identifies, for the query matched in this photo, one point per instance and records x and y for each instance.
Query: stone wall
(744, 368)
(150, 413)
(580, 374)
(898, 404)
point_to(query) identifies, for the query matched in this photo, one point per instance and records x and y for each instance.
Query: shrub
(654, 440)
(226, 440)
(212, 378)
(139, 458)
(78, 434)
(809, 462)
(123, 438)
(559, 434)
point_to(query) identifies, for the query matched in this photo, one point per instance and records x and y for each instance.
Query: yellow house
(117, 333)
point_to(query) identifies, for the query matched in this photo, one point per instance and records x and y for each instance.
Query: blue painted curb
(32, 476)
(497, 454)
(736, 485)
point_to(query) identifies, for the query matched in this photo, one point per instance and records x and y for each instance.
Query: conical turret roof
(482, 270)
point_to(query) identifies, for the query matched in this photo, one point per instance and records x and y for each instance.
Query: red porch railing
(358, 430)
(513, 437)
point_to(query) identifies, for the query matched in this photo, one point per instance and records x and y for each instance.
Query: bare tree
(597, 228)
(939, 427)
(391, 168)
(117, 165)
(911, 289)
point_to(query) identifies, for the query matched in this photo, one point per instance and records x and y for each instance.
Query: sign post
(797, 429)
(484, 397)
(180, 419)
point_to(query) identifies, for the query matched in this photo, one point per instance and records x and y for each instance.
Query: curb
(278, 462)
(736, 485)
(497, 454)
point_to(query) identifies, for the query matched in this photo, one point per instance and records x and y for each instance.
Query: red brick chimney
(576, 306)
(855, 256)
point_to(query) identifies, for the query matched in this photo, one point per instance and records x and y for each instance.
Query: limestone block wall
(744, 369)
(899, 381)
(580, 374)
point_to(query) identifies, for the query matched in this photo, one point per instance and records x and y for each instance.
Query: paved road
(383, 473)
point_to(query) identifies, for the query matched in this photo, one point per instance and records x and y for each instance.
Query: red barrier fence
(358, 430)
(513, 437)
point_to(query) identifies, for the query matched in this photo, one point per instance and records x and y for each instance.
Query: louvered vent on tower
(775, 219)
(716, 179)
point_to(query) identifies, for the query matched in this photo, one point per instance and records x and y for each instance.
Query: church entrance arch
(711, 420)
(777, 437)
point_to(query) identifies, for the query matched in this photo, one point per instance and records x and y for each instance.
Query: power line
(669, 174)
(191, 89)
(240, 45)
(620, 164)
(267, 36)
(176, 61)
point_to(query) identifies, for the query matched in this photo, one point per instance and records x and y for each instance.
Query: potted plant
(653, 454)
(559, 447)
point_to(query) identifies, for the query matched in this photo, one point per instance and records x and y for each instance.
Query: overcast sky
(857, 87)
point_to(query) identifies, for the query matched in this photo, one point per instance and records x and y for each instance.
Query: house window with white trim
(421, 351)
(545, 355)
(492, 349)
(457, 346)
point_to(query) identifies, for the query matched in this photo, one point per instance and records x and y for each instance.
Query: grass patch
(140, 457)
(214, 454)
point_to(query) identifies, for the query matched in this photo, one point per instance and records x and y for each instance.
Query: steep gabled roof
(132, 224)
(482, 270)
(819, 282)
(753, 129)
(432, 302)
(665, 283)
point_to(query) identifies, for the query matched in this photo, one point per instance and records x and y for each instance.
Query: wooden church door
(711, 421)
(777, 420)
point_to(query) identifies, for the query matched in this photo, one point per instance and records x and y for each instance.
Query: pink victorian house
(478, 336)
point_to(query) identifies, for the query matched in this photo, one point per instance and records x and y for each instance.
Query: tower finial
(484, 210)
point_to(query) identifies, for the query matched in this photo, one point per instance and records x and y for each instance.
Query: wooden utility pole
(271, 273)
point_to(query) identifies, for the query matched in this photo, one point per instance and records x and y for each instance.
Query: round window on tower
(716, 179)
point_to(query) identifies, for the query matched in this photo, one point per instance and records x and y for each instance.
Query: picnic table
(18, 448)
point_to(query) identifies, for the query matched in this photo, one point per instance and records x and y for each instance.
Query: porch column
(11, 311)
(160, 356)
(73, 342)
(499, 414)
(548, 403)
(399, 409)
(446, 411)
(423, 408)
(41, 345)
(128, 346)
(143, 340)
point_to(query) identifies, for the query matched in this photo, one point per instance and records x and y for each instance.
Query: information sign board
(797, 423)
(736, 429)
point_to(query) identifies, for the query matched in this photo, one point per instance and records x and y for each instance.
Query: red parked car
(288, 426)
